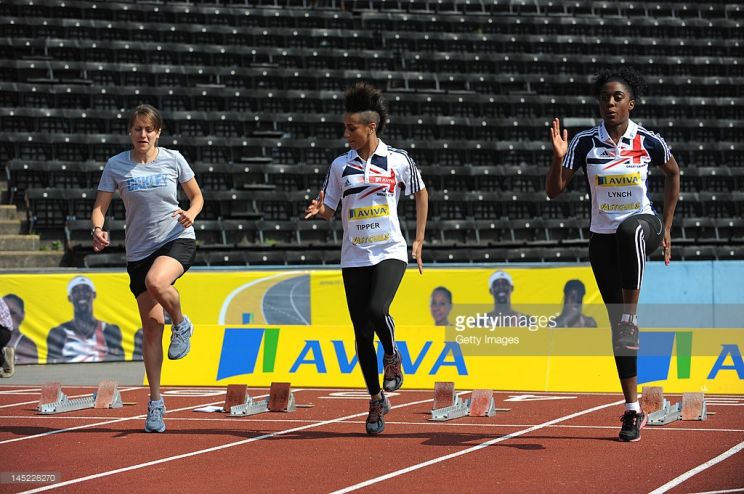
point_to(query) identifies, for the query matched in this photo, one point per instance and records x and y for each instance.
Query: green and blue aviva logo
(655, 356)
(241, 348)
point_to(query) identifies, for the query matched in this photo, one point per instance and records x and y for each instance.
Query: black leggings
(618, 261)
(369, 293)
(4, 339)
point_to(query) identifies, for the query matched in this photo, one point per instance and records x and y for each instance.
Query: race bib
(369, 225)
(619, 193)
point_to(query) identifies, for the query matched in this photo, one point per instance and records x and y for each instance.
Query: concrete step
(8, 212)
(4, 193)
(28, 259)
(10, 227)
(19, 242)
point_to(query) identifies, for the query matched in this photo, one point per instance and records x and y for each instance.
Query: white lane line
(473, 449)
(22, 391)
(96, 424)
(75, 396)
(726, 491)
(209, 450)
(703, 466)
(431, 424)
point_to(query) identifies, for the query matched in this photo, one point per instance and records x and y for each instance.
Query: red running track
(545, 443)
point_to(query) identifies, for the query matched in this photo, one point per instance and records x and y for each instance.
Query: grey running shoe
(180, 342)
(393, 378)
(375, 420)
(155, 412)
(633, 422)
(9, 362)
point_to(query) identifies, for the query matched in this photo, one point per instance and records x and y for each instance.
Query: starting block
(693, 407)
(444, 395)
(281, 398)
(449, 405)
(239, 403)
(53, 400)
(661, 412)
(482, 403)
(652, 399)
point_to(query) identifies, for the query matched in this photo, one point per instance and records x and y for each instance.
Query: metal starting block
(239, 403)
(661, 412)
(694, 407)
(53, 400)
(669, 413)
(449, 405)
(482, 403)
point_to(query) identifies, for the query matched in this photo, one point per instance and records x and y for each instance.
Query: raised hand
(558, 139)
(316, 206)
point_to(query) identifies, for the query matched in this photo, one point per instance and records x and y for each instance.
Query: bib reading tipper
(369, 192)
(616, 173)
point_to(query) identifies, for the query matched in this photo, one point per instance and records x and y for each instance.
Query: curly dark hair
(627, 75)
(362, 98)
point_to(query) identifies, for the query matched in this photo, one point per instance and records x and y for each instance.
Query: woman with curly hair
(368, 182)
(615, 157)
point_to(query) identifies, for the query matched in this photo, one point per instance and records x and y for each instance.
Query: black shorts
(182, 250)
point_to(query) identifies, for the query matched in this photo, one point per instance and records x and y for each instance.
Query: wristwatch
(93, 230)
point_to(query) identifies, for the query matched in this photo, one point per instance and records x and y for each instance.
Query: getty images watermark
(479, 330)
(491, 321)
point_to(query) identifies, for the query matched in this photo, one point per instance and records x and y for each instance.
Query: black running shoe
(375, 420)
(633, 422)
(627, 336)
(393, 377)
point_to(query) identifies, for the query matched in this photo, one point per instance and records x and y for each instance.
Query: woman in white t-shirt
(160, 241)
(368, 182)
(615, 157)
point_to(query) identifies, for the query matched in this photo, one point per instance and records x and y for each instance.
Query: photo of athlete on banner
(84, 338)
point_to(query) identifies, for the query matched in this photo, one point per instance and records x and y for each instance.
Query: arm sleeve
(576, 156)
(185, 173)
(332, 186)
(107, 182)
(411, 176)
(660, 152)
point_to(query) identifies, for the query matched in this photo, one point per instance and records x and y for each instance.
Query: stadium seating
(252, 96)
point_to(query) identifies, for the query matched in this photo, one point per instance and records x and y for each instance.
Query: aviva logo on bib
(618, 180)
(369, 212)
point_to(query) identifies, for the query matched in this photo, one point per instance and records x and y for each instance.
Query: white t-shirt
(150, 195)
(369, 193)
(616, 173)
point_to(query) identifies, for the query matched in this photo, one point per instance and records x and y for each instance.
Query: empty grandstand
(252, 92)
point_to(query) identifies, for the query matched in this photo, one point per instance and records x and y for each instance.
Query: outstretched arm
(422, 211)
(97, 218)
(558, 176)
(318, 208)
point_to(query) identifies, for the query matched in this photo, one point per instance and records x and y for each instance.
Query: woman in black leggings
(368, 182)
(615, 157)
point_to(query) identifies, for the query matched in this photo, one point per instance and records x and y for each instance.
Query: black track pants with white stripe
(618, 261)
(369, 293)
